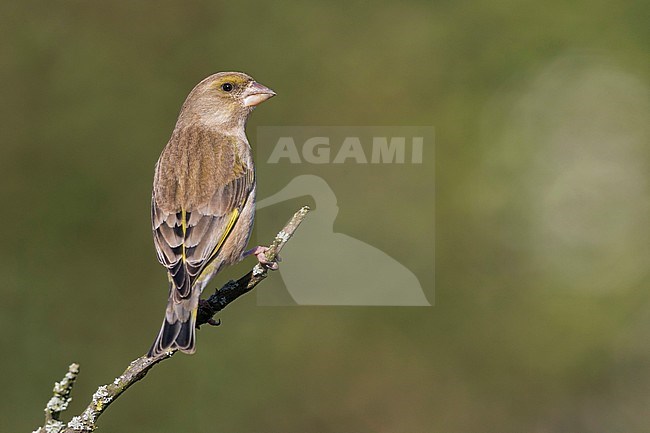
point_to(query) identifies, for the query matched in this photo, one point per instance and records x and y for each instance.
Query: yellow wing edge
(231, 223)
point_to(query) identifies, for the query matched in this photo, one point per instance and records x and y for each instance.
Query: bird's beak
(255, 94)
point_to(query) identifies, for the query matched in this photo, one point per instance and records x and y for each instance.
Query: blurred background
(542, 304)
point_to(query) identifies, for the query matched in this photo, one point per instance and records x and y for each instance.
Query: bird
(203, 198)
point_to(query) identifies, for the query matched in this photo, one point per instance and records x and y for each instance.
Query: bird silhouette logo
(340, 270)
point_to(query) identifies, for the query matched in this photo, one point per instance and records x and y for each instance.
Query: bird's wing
(190, 229)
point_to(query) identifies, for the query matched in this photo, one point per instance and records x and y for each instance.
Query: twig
(234, 289)
(59, 401)
(138, 369)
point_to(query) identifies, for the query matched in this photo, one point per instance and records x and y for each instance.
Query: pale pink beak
(255, 94)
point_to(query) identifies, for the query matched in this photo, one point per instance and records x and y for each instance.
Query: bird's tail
(178, 331)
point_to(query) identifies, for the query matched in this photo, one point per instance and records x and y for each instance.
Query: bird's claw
(260, 253)
(213, 322)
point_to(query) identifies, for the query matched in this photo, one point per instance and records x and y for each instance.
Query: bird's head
(224, 100)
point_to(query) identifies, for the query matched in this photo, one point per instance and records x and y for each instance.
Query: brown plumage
(203, 197)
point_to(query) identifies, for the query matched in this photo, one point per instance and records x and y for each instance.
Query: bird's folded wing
(189, 238)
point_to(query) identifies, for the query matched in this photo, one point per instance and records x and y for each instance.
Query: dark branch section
(234, 289)
(138, 369)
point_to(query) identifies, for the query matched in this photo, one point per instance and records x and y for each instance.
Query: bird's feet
(259, 252)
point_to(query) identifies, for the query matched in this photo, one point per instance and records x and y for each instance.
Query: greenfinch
(203, 199)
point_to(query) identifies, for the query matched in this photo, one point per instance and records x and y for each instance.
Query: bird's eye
(226, 87)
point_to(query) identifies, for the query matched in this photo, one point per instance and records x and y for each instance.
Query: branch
(234, 289)
(59, 401)
(138, 369)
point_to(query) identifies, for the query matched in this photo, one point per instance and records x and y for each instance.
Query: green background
(542, 311)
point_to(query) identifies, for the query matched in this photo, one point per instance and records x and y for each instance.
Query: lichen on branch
(138, 369)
